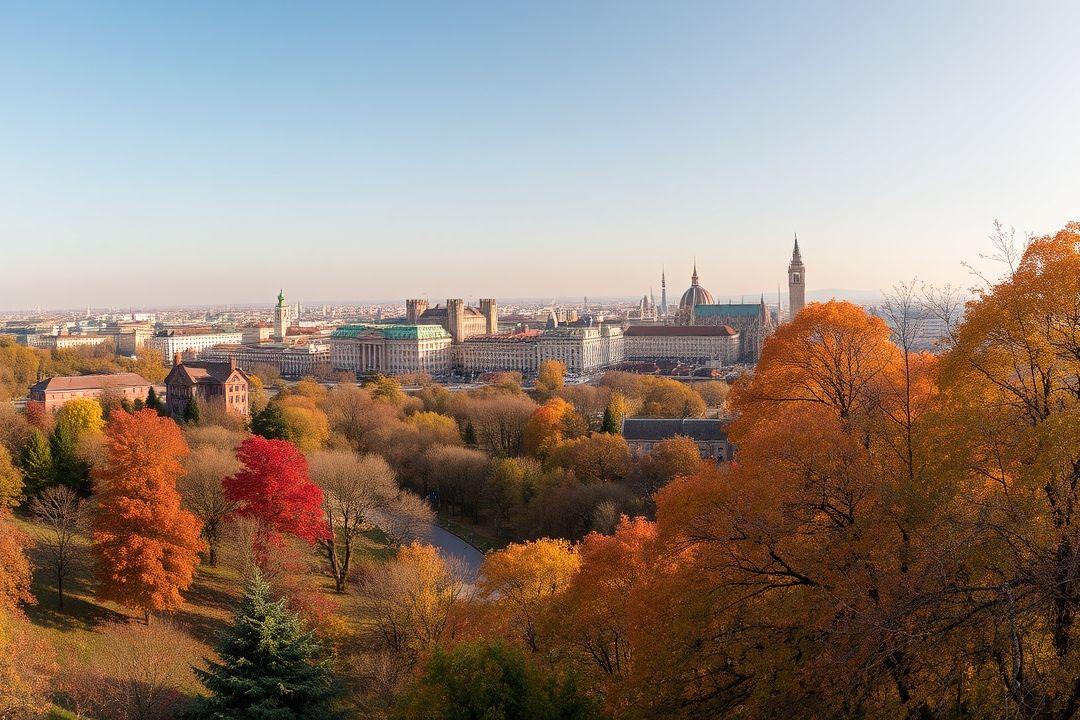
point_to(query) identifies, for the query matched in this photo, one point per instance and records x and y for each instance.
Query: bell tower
(796, 282)
(281, 318)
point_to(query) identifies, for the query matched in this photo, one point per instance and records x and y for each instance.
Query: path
(451, 546)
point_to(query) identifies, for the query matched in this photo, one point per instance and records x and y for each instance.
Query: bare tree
(64, 517)
(406, 519)
(353, 487)
(203, 494)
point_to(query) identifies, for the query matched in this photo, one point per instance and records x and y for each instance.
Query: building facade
(796, 282)
(69, 342)
(583, 349)
(174, 342)
(752, 322)
(281, 318)
(459, 320)
(305, 359)
(714, 345)
(217, 385)
(502, 352)
(391, 349)
(709, 434)
(55, 391)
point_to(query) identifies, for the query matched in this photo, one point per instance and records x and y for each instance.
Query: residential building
(709, 434)
(55, 391)
(217, 385)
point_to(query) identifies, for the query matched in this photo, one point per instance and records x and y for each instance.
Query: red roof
(91, 382)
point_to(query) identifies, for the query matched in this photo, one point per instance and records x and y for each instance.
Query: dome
(695, 294)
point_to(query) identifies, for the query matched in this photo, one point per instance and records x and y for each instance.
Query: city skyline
(162, 156)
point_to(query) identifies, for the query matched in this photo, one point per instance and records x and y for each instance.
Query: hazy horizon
(207, 154)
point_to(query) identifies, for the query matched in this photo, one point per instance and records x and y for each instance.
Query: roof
(655, 429)
(90, 382)
(695, 296)
(728, 309)
(680, 330)
(439, 311)
(523, 336)
(201, 372)
(393, 332)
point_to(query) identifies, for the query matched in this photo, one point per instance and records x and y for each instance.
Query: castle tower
(281, 318)
(455, 319)
(796, 274)
(414, 309)
(491, 315)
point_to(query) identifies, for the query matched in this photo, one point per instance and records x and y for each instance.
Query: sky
(159, 153)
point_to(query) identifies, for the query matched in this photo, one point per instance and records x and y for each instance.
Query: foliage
(270, 665)
(600, 457)
(145, 545)
(80, 415)
(549, 378)
(273, 488)
(11, 481)
(670, 458)
(550, 424)
(270, 422)
(615, 412)
(37, 463)
(477, 681)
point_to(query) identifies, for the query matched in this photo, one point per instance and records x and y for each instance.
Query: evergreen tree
(153, 402)
(126, 406)
(36, 462)
(470, 434)
(608, 425)
(191, 412)
(68, 468)
(270, 422)
(271, 665)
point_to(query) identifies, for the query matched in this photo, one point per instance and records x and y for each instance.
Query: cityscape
(539, 361)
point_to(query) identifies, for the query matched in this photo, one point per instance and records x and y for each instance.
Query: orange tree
(145, 545)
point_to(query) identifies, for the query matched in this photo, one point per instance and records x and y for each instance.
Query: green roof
(393, 332)
(727, 309)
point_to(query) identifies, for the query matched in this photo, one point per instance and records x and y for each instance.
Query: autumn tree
(11, 481)
(203, 492)
(459, 475)
(523, 579)
(353, 488)
(664, 397)
(549, 378)
(145, 546)
(713, 392)
(615, 412)
(550, 424)
(600, 457)
(25, 661)
(670, 458)
(65, 517)
(273, 488)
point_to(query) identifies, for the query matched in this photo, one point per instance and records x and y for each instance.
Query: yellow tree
(549, 378)
(521, 580)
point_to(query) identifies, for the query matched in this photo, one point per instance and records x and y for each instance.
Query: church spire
(795, 254)
(694, 277)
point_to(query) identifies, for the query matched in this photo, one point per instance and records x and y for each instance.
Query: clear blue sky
(158, 153)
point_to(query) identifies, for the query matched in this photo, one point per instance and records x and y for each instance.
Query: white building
(391, 349)
(713, 345)
(291, 361)
(583, 349)
(180, 343)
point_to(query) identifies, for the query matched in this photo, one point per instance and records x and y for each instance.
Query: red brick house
(55, 391)
(219, 385)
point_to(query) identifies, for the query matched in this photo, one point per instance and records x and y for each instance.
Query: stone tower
(796, 282)
(455, 319)
(281, 318)
(491, 315)
(414, 309)
(663, 292)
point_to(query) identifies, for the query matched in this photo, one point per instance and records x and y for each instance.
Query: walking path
(450, 546)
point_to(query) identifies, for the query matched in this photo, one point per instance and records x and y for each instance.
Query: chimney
(176, 359)
(232, 363)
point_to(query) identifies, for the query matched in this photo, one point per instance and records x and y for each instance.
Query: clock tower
(796, 282)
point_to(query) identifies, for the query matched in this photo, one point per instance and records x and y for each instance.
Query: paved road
(451, 546)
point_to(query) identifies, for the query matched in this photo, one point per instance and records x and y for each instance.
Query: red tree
(274, 489)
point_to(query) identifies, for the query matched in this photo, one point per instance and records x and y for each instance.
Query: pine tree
(37, 463)
(608, 425)
(470, 434)
(153, 402)
(68, 468)
(270, 422)
(272, 665)
(191, 412)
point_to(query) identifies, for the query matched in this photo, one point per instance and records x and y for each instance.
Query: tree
(616, 411)
(670, 458)
(407, 519)
(439, 429)
(145, 546)
(498, 421)
(550, 424)
(273, 488)
(153, 402)
(203, 493)
(353, 488)
(68, 468)
(270, 422)
(459, 475)
(713, 392)
(388, 390)
(306, 426)
(664, 397)
(489, 680)
(600, 457)
(64, 517)
(410, 600)
(80, 415)
(523, 578)
(549, 378)
(191, 411)
(270, 665)
(37, 463)
(11, 481)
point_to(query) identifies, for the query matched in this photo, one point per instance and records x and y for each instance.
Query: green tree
(68, 468)
(191, 412)
(36, 462)
(617, 409)
(271, 665)
(154, 402)
(270, 422)
(478, 681)
(11, 481)
(470, 434)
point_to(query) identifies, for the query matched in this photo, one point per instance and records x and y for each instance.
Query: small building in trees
(709, 434)
(55, 391)
(218, 385)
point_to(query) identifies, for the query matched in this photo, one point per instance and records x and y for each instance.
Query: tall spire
(694, 278)
(795, 254)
